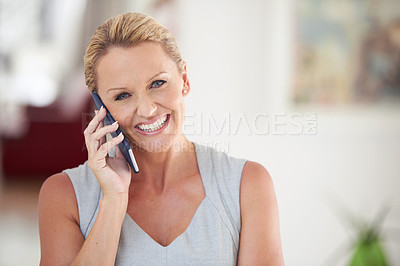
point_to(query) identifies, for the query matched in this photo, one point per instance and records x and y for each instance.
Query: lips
(153, 127)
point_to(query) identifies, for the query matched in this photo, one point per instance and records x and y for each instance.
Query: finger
(101, 140)
(102, 131)
(98, 138)
(93, 124)
(118, 155)
(101, 154)
(97, 119)
(96, 122)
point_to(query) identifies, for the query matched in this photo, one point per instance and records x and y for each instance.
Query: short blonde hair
(127, 30)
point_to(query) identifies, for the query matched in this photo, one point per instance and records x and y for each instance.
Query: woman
(188, 204)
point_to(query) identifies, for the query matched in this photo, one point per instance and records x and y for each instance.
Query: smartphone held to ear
(124, 146)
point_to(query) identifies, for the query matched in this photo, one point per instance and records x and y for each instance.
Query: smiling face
(143, 90)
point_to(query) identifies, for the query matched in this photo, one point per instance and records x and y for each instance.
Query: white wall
(239, 61)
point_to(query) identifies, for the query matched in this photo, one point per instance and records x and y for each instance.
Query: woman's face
(143, 90)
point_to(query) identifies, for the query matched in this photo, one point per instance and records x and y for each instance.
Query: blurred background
(310, 89)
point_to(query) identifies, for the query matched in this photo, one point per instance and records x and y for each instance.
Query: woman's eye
(122, 96)
(157, 83)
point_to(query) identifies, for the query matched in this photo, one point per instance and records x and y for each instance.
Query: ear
(186, 83)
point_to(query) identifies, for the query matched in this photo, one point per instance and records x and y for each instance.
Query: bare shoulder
(57, 193)
(256, 190)
(59, 180)
(59, 230)
(255, 178)
(260, 242)
(253, 168)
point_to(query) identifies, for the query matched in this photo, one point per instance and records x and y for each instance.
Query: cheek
(171, 100)
(123, 115)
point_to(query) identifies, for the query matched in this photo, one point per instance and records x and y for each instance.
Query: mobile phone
(124, 146)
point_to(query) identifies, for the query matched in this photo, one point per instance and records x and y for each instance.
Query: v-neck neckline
(202, 176)
(129, 218)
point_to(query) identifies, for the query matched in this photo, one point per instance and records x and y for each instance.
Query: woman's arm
(260, 242)
(61, 240)
(60, 236)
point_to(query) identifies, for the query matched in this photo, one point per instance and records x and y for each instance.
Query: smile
(153, 127)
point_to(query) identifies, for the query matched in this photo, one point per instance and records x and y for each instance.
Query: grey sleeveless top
(212, 237)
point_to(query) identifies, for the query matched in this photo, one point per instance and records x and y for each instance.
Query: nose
(146, 106)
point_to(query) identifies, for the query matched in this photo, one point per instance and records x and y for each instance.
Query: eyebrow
(124, 88)
(115, 89)
(162, 72)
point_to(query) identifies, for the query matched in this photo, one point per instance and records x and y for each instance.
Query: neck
(158, 169)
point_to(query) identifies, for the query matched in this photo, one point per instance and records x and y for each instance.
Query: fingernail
(101, 108)
(121, 134)
(116, 122)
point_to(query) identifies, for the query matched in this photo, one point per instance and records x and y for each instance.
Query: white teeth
(156, 125)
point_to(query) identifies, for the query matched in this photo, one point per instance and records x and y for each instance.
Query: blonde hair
(127, 30)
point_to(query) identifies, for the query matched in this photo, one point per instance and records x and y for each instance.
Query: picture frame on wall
(347, 52)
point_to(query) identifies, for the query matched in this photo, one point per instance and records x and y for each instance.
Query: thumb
(118, 153)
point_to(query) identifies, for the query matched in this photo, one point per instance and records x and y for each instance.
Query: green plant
(368, 249)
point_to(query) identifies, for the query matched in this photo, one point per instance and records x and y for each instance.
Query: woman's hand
(113, 174)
